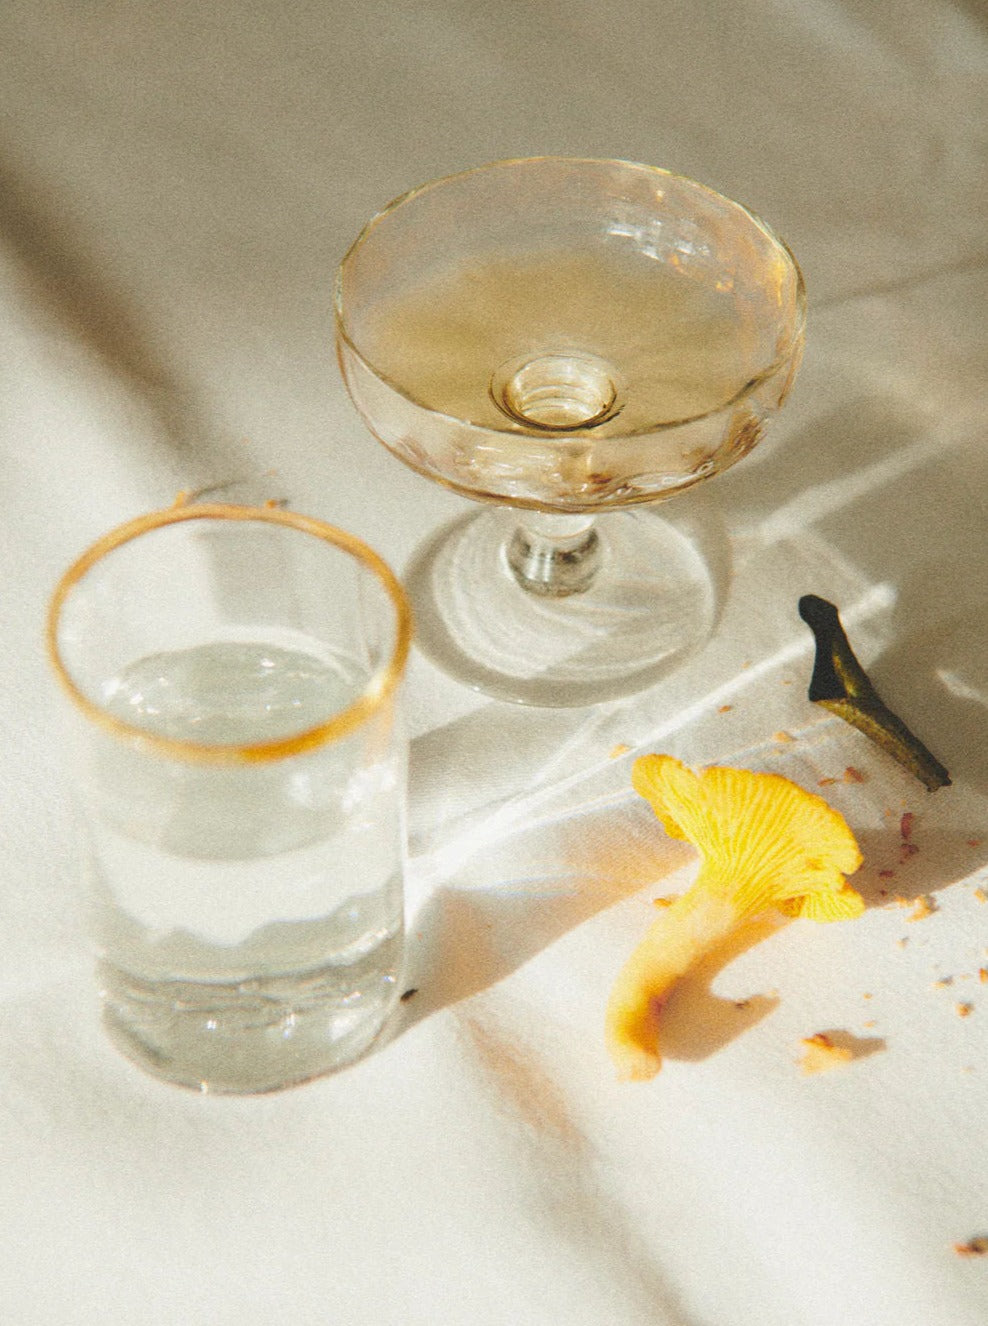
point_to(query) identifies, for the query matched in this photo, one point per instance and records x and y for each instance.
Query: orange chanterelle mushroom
(765, 844)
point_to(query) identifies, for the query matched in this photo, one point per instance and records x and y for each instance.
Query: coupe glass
(566, 341)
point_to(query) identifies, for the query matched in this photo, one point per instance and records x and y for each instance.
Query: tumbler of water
(239, 761)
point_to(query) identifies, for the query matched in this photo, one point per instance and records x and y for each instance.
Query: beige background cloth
(177, 184)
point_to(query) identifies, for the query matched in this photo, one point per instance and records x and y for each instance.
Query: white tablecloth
(177, 184)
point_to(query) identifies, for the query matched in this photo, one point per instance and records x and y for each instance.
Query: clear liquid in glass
(249, 917)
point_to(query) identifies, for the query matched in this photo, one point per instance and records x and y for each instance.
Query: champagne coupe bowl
(566, 342)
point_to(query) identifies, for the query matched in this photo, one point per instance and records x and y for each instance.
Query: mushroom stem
(697, 922)
(840, 684)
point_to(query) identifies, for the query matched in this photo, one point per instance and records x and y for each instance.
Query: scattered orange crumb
(820, 1054)
(983, 975)
(963, 1010)
(617, 751)
(980, 895)
(906, 824)
(942, 982)
(976, 1247)
(826, 782)
(901, 943)
(663, 902)
(923, 908)
(867, 995)
(870, 1023)
(782, 736)
(852, 775)
(725, 708)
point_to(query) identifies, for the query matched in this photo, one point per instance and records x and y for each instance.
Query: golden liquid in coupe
(670, 339)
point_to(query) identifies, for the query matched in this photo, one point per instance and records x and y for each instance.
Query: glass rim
(576, 434)
(354, 715)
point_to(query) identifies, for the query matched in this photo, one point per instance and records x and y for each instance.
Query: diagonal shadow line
(567, 1176)
(463, 940)
(972, 263)
(80, 294)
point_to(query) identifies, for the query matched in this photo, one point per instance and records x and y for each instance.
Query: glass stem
(554, 555)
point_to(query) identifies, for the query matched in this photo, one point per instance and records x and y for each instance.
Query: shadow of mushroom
(696, 1023)
(931, 861)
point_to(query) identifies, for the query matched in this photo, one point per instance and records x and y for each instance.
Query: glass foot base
(237, 1040)
(653, 600)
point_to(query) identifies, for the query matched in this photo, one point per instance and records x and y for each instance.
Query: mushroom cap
(764, 841)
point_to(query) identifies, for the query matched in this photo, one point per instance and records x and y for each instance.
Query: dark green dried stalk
(840, 684)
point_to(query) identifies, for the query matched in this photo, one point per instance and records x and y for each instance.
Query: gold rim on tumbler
(378, 691)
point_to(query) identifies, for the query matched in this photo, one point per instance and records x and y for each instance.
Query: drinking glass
(566, 341)
(239, 761)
